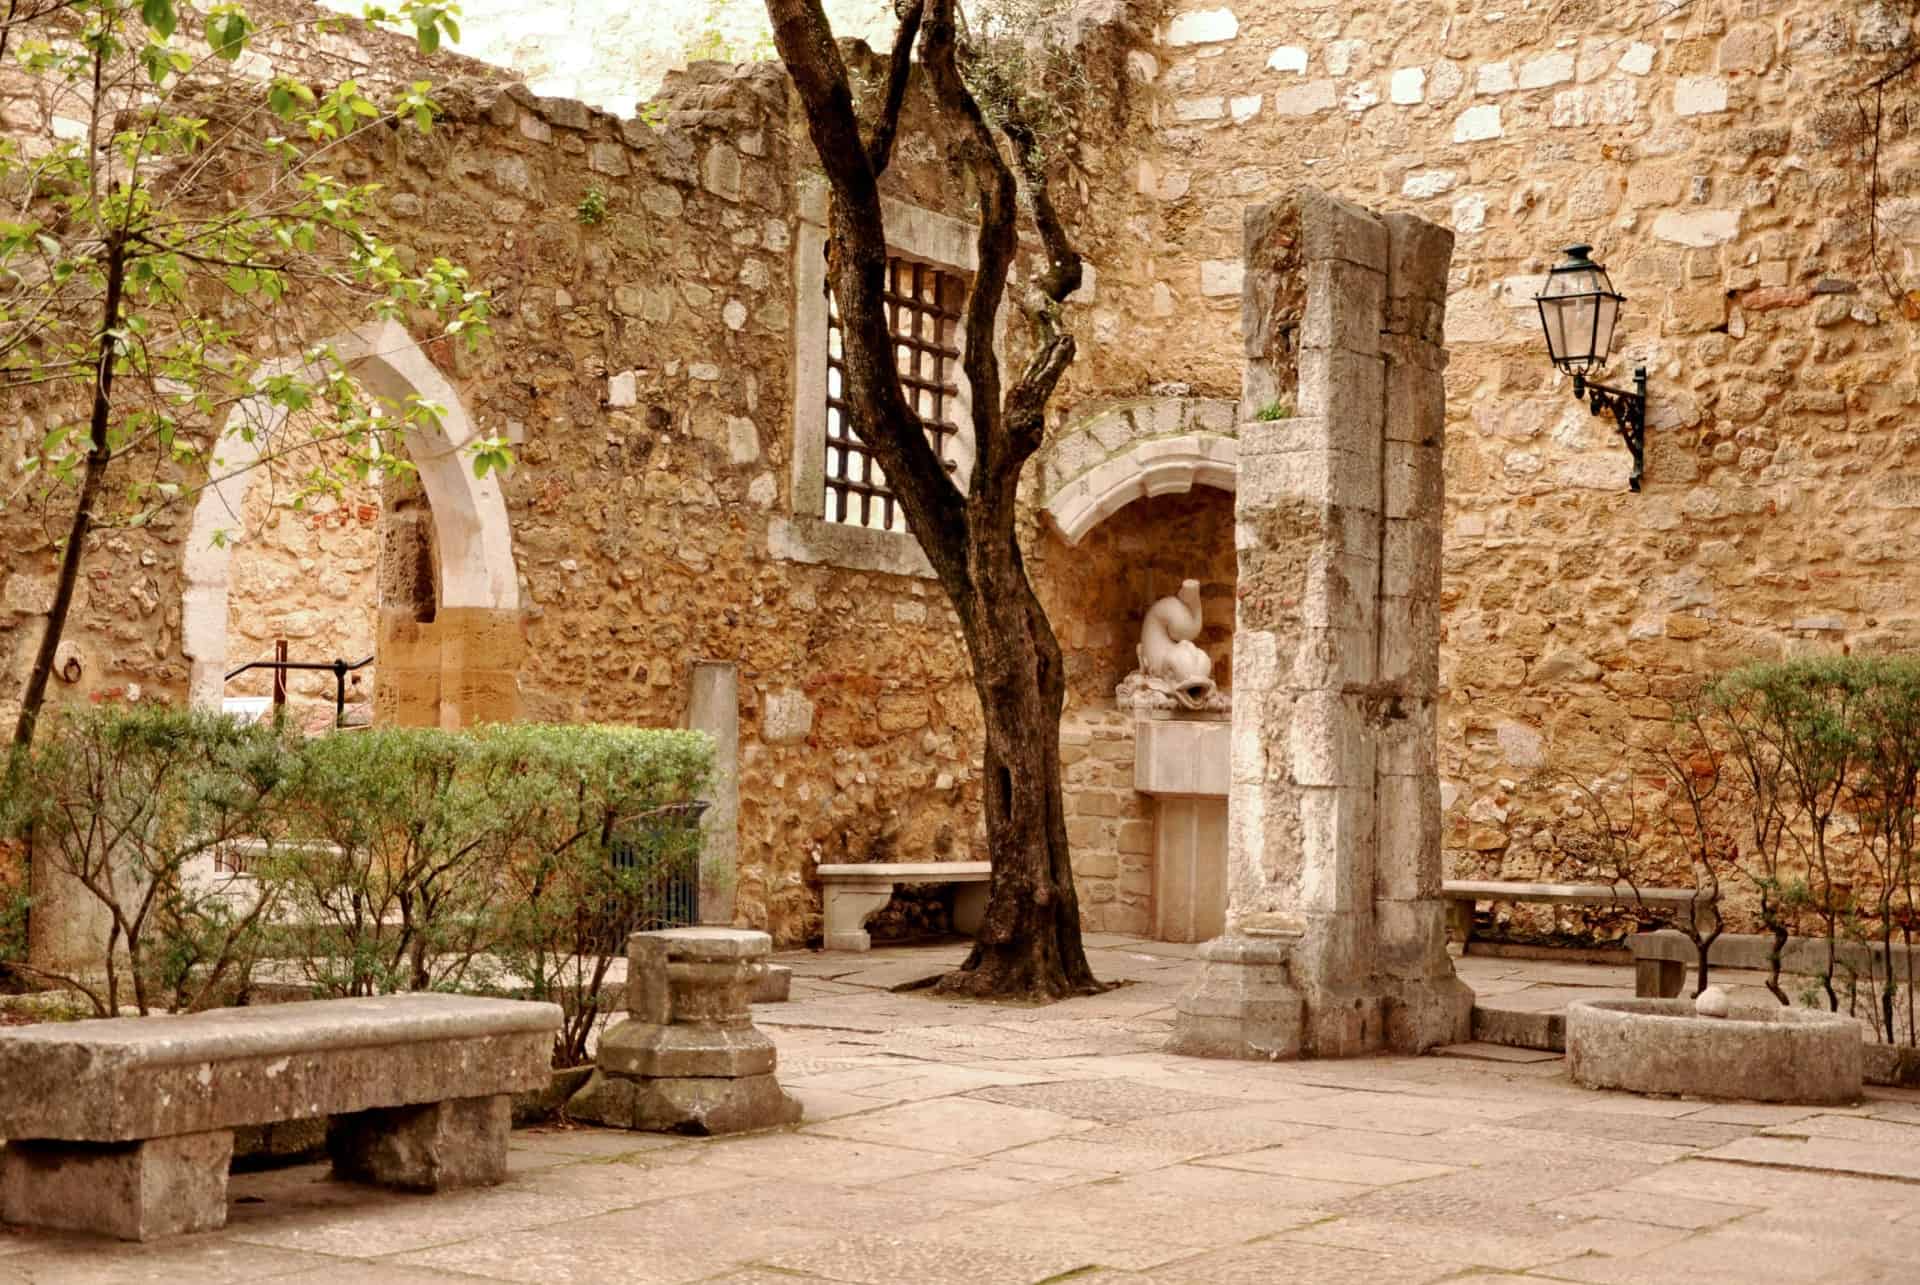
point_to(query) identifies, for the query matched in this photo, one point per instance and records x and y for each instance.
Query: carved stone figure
(1173, 670)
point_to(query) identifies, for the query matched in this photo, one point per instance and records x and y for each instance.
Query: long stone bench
(854, 893)
(1661, 959)
(1462, 895)
(125, 1125)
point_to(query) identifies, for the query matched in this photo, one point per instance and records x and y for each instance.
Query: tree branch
(899, 72)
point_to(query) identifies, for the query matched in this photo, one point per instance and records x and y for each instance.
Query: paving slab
(950, 1142)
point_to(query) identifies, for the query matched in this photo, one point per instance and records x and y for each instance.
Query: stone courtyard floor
(967, 1144)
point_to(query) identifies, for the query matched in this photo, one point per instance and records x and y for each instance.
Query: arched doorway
(451, 661)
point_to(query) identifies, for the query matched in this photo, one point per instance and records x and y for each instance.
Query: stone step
(1520, 1028)
(1477, 1051)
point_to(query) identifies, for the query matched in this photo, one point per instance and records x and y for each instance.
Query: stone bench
(125, 1125)
(1661, 959)
(1462, 894)
(854, 893)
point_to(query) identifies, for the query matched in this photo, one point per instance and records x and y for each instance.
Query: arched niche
(450, 670)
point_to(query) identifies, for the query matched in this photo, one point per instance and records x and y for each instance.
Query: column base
(698, 1106)
(1244, 1005)
(432, 1147)
(133, 1190)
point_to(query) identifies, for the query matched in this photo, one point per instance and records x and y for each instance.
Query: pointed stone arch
(1136, 450)
(478, 595)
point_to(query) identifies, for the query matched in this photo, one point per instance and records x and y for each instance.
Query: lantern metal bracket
(1629, 411)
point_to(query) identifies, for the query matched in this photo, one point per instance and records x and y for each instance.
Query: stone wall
(1712, 154)
(308, 575)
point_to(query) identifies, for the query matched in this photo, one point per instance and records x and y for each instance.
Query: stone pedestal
(1334, 815)
(688, 1058)
(1182, 765)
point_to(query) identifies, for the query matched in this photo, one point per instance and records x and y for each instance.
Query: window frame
(805, 534)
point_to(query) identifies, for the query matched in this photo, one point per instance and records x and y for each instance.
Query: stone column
(1335, 940)
(714, 708)
(688, 1059)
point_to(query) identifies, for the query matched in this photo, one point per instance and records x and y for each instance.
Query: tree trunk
(1029, 944)
(98, 456)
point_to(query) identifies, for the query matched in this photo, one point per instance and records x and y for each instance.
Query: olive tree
(990, 94)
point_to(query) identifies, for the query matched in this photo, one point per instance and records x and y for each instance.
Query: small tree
(1684, 821)
(159, 226)
(993, 96)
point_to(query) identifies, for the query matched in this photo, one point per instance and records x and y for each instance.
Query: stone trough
(1755, 1052)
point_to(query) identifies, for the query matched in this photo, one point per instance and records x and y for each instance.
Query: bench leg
(1460, 921)
(133, 1190)
(1658, 978)
(431, 1147)
(847, 908)
(970, 907)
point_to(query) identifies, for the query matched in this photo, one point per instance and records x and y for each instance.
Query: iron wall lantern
(1578, 310)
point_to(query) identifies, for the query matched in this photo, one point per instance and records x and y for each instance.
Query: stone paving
(967, 1144)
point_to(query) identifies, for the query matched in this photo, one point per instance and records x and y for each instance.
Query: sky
(612, 54)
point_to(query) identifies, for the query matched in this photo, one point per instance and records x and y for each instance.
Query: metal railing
(280, 665)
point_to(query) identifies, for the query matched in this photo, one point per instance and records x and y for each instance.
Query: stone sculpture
(1173, 669)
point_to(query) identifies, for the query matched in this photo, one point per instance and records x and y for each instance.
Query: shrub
(515, 857)
(132, 803)
(601, 831)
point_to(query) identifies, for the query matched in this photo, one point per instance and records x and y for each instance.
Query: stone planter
(1755, 1053)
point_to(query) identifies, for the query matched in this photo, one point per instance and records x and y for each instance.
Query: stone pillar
(688, 1059)
(714, 708)
(1335, 938)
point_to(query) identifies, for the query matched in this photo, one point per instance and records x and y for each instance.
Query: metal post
(339, 693)
(279, 678)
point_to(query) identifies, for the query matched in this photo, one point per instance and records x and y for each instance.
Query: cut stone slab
(126, 1079)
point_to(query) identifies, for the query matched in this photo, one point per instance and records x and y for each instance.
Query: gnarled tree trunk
(1029, 945)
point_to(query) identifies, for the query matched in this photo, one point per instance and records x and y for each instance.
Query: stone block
(132, 1190)
(1331, 659)
(1244, 1004)
(1410, 559)
(642, 1048)
(776, 986)
(1347, 391)
(1416, 410)
(1346, 306)
(1306, 486)
(1414, 485)
(480, 638)
(1334, 229)
(436, 1146)
(1336, 838)
(1341, 591)
(1418, 256)
(1409, 651)
(1407, 865)
(1410, 938)
(133, 1078)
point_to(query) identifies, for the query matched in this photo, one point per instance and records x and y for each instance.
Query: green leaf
(159, 15)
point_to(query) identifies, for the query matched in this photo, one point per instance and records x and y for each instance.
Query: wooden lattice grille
(923, 314)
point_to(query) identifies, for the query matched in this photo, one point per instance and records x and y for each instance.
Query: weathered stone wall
(1712, 153)
(307, 575)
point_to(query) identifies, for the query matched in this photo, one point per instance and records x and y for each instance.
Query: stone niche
(1145, 793)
